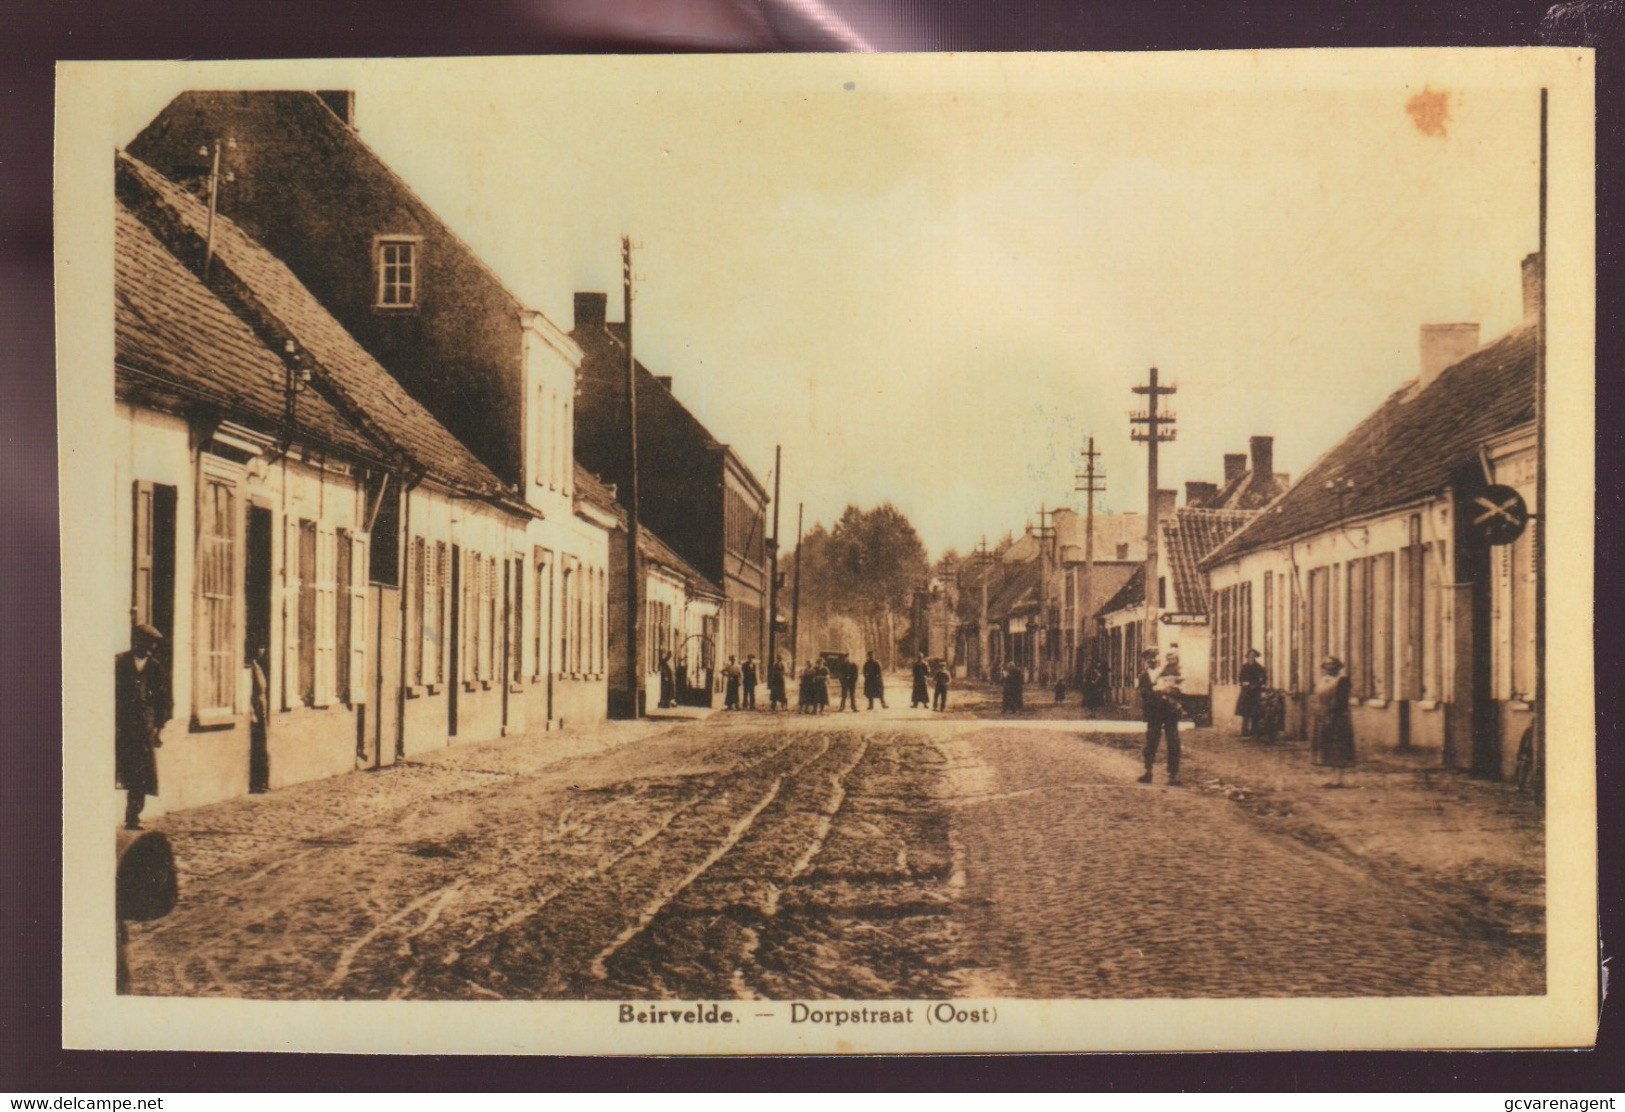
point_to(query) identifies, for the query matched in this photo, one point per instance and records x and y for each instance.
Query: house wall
(1413, 675)
(1513, 585)
(313, 728)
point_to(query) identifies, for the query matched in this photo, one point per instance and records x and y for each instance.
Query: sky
(932, 278)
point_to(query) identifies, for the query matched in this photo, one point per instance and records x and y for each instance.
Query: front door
(257, 641)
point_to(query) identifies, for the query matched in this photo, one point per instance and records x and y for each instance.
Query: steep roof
(311, 126)
(1250, 490)
(1186, 539)
(265, 293)
(1407, 450)
(177, 344)
(590, 488)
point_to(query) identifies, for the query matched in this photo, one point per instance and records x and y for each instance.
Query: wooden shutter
(290, 613)
(326, 612)
(356, 600)
(141, 585)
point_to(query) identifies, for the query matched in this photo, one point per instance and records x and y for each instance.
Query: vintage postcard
(830, 553)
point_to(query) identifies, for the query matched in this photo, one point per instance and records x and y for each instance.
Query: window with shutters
(217, 639)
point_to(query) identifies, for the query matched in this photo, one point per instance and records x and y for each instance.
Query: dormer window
(397, 259)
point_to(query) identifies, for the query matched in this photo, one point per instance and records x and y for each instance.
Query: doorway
(257, 643)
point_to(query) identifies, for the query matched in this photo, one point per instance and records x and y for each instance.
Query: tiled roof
(1108, 581)
(1191, 535)
(595, 492)
(1248, 491)
(297, 122)
(352, 381)
(1014, 590)
(1408, 449)
(1131, 593)
(178, 344)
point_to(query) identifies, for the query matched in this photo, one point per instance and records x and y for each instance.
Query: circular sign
(1498, 514)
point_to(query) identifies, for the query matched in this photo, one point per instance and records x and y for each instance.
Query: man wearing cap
(141, 705)
(1159, 702)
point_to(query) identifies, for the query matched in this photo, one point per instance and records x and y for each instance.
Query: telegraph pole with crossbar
(1045, 533)
(1159, 427)
(1091, 481)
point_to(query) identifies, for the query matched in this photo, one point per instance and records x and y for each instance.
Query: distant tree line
(858, 579)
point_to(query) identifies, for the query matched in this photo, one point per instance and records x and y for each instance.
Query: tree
(865, 568)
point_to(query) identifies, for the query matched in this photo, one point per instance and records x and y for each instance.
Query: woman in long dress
(1332, 726)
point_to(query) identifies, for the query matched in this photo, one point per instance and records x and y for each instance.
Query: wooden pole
(795, 603)
(634, 673)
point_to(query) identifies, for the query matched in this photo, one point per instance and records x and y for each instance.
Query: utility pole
(1044, 534)
(214, 199)
(795, 604)
(984, 636)
(1159, 427)
(1093, 482)
(773, 567)
(633, 606)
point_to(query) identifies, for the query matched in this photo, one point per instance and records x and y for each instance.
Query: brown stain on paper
(1430, 111)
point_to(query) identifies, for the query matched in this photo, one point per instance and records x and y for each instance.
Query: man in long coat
(874, 682)
(141, 702)
(921, 696)
(747, 682)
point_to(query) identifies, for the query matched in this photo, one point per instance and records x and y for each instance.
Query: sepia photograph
(829, 554)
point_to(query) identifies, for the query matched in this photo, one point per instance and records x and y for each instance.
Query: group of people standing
(740, 681)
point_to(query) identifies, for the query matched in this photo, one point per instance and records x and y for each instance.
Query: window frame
(214, 471)
(382, 242)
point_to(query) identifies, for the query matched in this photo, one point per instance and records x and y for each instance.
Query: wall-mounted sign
(1498, 515)
(1183, 619)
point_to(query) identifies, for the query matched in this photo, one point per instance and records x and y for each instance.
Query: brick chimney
(342, 103)
(1263, 450)
(1198, 495)
(1444, 345)
(1167, 501)
(1534, 290)
(590, 309)
(1234, 464)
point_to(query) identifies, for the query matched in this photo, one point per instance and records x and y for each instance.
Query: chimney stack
(590, 310)
(1198, 495)
(1534, 285)
(1167, 500)
(1444, 345)
(1263, 449)
(1234, 464)
(341, 102)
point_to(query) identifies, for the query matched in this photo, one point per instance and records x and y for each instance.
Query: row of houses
(350, 454)
(1400, 551)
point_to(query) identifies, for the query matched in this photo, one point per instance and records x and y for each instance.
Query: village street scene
(806, 572)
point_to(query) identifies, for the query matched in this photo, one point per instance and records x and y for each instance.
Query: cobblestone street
(897, 854)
